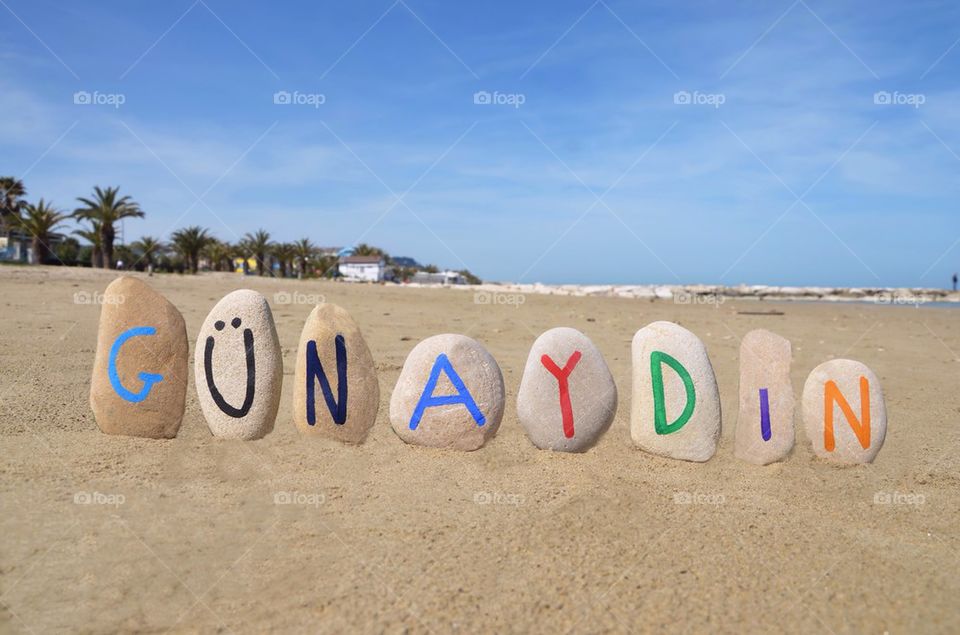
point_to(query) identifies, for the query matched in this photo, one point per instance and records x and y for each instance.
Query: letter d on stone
(148, 379)
(657, 358)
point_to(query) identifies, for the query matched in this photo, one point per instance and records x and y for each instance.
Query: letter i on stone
(238, 367)
(139, 384)
(336, 393)
(567, 396)
(765, 428)
(449, 394)
(844, 413)
(676, 403)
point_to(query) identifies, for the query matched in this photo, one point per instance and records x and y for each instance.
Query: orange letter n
(831, 395)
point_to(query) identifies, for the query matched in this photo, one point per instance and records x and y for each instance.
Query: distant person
(120, 264)
(954, 282)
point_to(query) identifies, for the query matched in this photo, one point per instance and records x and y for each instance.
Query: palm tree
(147, 247)
(39, 221)
(11, 193)
(327, 266)
(219, 254)
(258, 244)
(363, 249)
(285, 253)
(92, 236)
(189, 242)
(107, 209)
(304, 250)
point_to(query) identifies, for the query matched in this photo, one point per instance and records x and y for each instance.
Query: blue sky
(785, 167)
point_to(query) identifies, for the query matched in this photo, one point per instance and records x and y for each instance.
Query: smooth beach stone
(238, 367)
(567, 396)
(676, 403)
(336, 393)
(449, 395)
(139, 384)
(844, 413)
(765, 428)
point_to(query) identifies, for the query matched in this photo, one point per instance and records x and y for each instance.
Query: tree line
(100, 213)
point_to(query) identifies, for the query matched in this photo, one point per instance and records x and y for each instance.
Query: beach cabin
(362, 268)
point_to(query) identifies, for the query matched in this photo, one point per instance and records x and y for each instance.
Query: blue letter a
(427, 400)
(338, 409)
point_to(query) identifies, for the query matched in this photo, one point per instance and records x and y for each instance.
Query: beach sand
(387, 537)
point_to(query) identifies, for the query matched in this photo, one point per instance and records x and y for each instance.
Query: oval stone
(676, 403)
(567, 396)
(139, 384)
(765, 428)
(238, 367)
(449, 395)
(844, 413)
(336, 393)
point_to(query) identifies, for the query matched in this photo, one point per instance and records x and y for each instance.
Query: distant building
(331, 251)
(17, 246)
(362, 268)
(441, 277)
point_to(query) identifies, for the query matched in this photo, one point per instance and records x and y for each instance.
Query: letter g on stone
(148, 379)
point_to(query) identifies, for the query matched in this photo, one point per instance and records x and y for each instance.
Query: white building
(441, 277)
(362, 268)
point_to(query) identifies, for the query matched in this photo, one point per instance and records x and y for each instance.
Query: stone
(139, 384)
(765, 423)
(675, 411)
(336, 393)
(567, 396)
(449, 394)
(844, 413)
(238, 367)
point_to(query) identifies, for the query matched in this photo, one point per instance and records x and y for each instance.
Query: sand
(185, 534)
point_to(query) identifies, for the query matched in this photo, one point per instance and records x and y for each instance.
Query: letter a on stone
(427, 400)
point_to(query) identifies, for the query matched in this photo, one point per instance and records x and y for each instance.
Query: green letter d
(659, 406)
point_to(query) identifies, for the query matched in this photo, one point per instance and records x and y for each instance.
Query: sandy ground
(185, 534)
